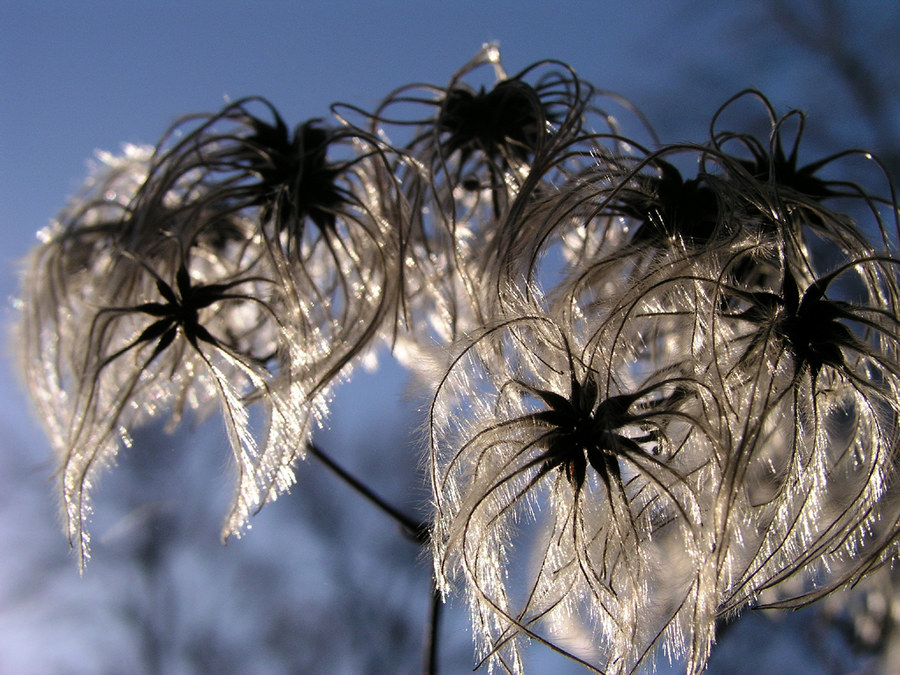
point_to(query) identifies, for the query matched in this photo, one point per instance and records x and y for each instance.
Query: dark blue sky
(81, 76)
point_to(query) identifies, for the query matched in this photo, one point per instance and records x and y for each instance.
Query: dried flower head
(534, 439)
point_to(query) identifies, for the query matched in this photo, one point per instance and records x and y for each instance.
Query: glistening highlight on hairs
(664, 379)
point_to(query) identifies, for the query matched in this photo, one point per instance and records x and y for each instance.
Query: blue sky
(76, 77)
(81, 76)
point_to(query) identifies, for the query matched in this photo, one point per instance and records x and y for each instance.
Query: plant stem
(414, 529)
(429, 662)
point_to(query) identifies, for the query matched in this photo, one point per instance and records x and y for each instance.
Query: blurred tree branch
(824, 28)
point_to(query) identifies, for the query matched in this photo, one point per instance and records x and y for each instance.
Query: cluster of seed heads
(664, 378)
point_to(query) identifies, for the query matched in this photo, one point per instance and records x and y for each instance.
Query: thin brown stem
(432, 629)
(415, 530)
